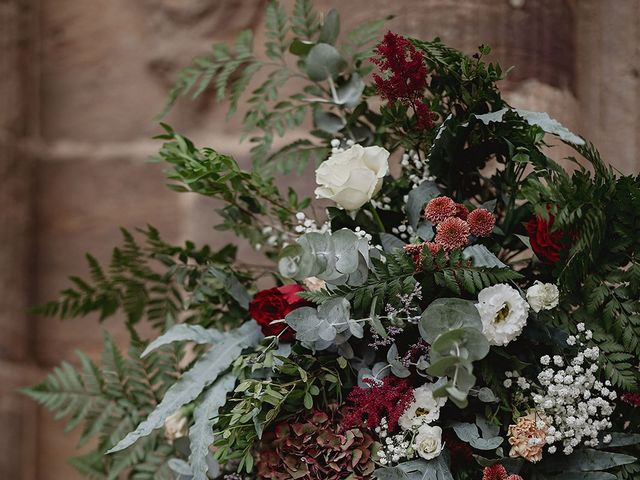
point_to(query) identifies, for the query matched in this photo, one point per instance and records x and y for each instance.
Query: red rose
(273, 304)
(546, 244)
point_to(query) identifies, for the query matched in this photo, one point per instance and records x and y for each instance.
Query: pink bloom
(452, 233)
(481, 222)
(461, 211)
(439, 209)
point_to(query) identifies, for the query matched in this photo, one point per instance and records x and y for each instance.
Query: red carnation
(274, 304)
(545, 242)
(481, 222)
(461, 453)
(452, 233)
(439, 209)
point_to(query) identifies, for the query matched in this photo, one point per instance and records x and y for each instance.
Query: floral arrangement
(460, 307)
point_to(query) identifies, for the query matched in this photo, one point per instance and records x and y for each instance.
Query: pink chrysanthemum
(452, 233)
(439, 209)
(481, 222)
(462, 212)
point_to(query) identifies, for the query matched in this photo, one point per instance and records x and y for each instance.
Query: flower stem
(376, 217)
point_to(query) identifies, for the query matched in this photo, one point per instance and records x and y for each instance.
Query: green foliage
(600, 273)
(108, 400)
(157, 281)
(304, 381)
(250, 198)
(202, 374)
(386, 281)
(457, 274)
(302, 39)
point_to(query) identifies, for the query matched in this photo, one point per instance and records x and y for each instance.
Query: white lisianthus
(353, 177)
(503, 312)
(543, 296)
(424, 409)
(428, 442)
(176, 426)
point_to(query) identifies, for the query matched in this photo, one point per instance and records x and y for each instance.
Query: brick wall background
(80, 82)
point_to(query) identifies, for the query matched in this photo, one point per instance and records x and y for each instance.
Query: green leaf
(445, 314)
(324, 61)
(586, 460)
(482, 257)
(540, 119)
(330, 27)
(185, 333)
(418, 198)
(201, 432)
(204, 372)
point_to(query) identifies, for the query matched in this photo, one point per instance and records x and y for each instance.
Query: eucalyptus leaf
(350, 93)
(391, 242)
(328, 122)
(445, 314)
(203, 373)
(330, 27)
(486, 395)
(482, 257)
(397, 368)
(324, 61)
(418, 198)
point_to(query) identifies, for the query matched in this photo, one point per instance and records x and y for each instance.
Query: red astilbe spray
(404, 76)
(388, 398)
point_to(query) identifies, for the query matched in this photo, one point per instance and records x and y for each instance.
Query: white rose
(543, 296)
(175, 426)
(425, 408)
(352, 178)
(428, 442)
(503, 312)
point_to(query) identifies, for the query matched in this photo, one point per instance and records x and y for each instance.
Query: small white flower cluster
(308, 225)
(274, 238)
(337, 146)
(578, 405)
(404, 231)
(412, 160)
(393, 447)
(383, 204)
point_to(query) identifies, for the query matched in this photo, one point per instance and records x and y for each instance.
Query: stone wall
(81, 81)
